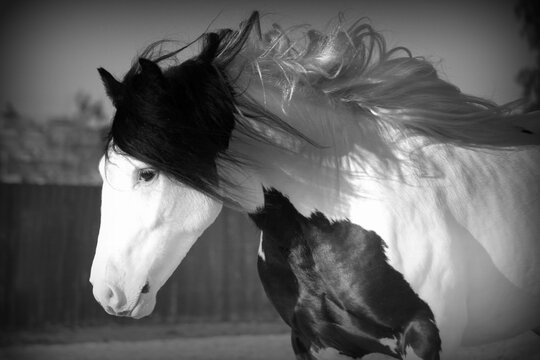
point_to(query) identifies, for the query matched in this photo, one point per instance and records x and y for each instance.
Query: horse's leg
(301, 347)
(421, 337)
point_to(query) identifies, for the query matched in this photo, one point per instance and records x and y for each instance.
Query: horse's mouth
(140, 311)
(141, 307)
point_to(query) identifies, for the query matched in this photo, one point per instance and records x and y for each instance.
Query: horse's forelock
(177, 121)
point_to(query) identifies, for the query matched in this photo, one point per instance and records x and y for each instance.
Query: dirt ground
(199, 345)
(256, 347)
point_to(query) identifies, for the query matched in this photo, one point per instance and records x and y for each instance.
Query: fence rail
(47, 240)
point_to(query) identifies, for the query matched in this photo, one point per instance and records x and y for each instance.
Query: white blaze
(147, 228)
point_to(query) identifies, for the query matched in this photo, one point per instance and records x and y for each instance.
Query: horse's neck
(323, 179)
(317, 180)
(334, 189)
(355, 159)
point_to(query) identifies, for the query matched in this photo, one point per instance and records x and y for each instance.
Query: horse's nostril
(145, 288)
(109, 296)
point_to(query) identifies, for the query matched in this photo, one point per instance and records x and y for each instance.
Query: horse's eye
(146, 175)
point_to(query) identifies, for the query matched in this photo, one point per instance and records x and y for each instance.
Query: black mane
(180, 118)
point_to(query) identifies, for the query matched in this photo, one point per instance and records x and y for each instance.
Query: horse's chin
(144, 307)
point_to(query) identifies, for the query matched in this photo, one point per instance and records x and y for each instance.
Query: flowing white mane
(351, 70)
(356, 100)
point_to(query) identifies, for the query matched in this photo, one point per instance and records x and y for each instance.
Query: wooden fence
(47, 240)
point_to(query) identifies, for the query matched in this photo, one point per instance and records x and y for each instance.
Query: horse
(398, 215)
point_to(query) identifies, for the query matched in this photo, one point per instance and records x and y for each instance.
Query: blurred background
(54, 116)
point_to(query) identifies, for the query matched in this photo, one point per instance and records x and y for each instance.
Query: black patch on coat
(331, 283)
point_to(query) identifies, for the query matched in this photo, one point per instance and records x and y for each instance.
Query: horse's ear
(211, 43)
(114, 88)
(150, 69)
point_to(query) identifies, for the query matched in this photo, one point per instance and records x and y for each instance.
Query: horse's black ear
(150, 69)
(210, 46)
(114, 88)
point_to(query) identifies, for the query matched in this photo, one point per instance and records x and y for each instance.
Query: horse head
(159, 177)
(148, 224)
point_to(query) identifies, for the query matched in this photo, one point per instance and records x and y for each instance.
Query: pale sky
(51, 49)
